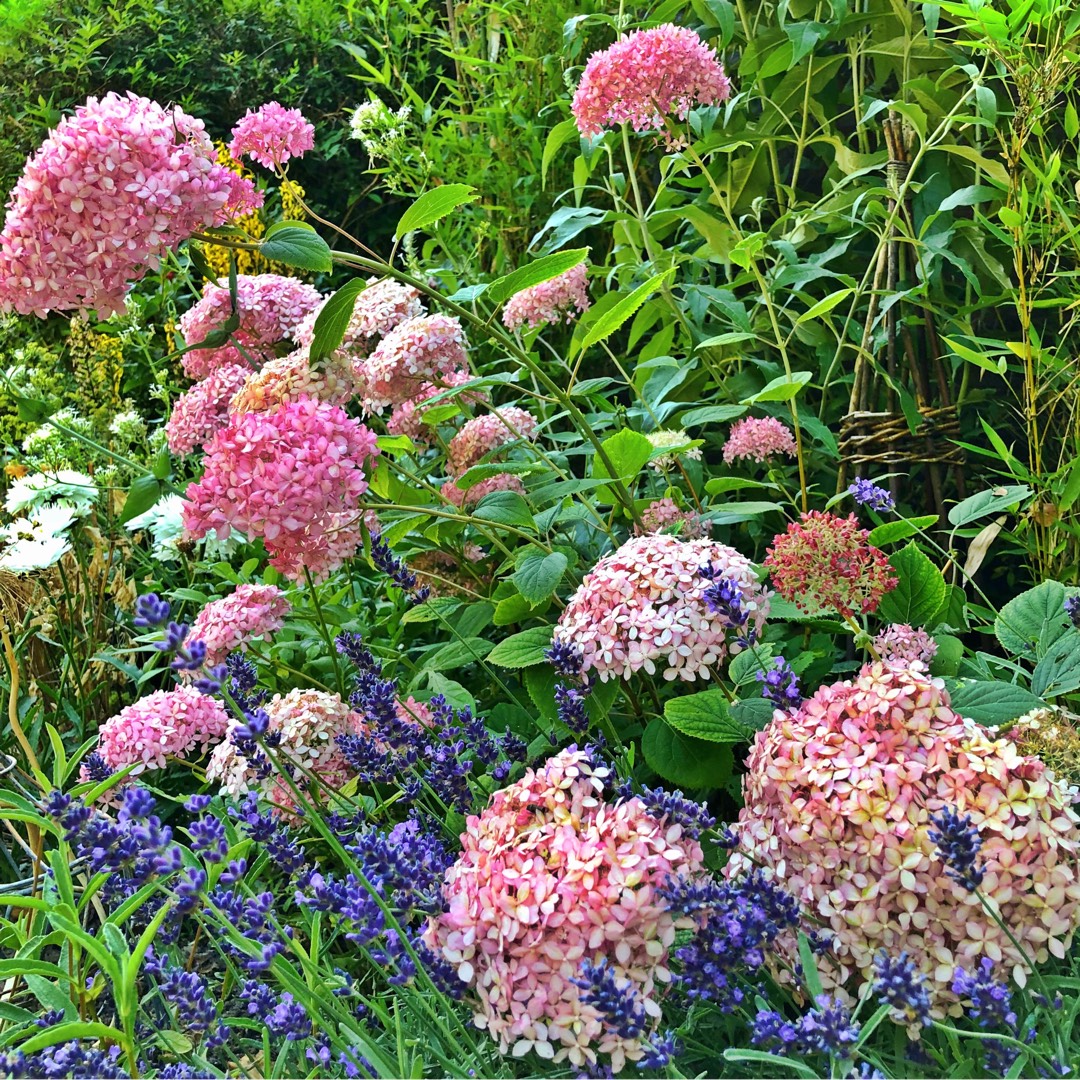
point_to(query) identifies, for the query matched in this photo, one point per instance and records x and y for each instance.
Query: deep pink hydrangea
(554, 301)
(483, 435)
(499, 482)
(646, 76)
(271, 135)
(377, 310)
(283, 476)
(838, 799)
(901, 641)
(552, 876)
(758, 439)
(408, 417)
(203, 409)
(166, 724)
(826, 561)
(250, 611)
(270, 307)
(110, 191)
(645, 607)
(290, 378)
(421, 350)
(664, 515)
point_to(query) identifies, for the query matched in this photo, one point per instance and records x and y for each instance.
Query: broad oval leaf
(434, 205)
(539, 575)
(991, 703)
(297, 246)
(920, 591)
(1031, 622)
(522, 650)
(333, 319)
(535, 273)
(986, 503)
(681, 759)
(705, 715)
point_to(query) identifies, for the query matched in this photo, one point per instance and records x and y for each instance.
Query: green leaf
(681, 759)
(986, 503)
(628, 452)
(920, 592)
(615, 316)
(543, 269)
(1031, 622)
(950, 651)
(142, 495)
(557, 137)
(991, 702)
(1058, 672)
(892, 531)
(781, 388)
(705, 715)
(434, 205)
(539, 575)
(333, 319)
(296, 246)
(511, 609)
(455, 654)
(60, 1033)
(522, 650)
(710, 414)
(505, 508)
(437, 608)
(718, 485)
(983, 360)
(823, 307)
(753, 713)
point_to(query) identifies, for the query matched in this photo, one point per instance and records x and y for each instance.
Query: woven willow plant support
(875, 435)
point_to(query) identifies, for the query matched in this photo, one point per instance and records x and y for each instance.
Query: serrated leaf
(1031, 622)
(705, 715)
(919, 592)
(628, 451)
(511, 609)
(437, 608)
(505, 508)
(1058, 672)
(522, 650)
(616, 315)
(986, 503)
(535, 273)
(991, 703)
(753, 713)
(539, 575)
(333, 319)
(683, 760)
(434, 205)
(296, 246)
(455, 654)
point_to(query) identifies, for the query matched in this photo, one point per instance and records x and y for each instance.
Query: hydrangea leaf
(920, 591)
(705, 715)
(522, 650)
(683, 760)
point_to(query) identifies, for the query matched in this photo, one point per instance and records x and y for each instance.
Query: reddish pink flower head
(110, 191)
(825, 561)
(645, 607)
(551, 876)
(249, 612)
(647, 76)
(291, 476)
(838, 800)
(165, 724)
(272, 135)
(483, 435)
(758, 440)
(270, 307)
(554, 301)
(203, 409)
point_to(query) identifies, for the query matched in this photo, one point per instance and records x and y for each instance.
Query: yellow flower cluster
(97, 362)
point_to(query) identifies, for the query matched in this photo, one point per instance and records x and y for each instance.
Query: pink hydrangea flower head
(270, 307)
(271, 135)
(408, 417)
(826, 561)
(551, 876)
(647, 76)
(382, 306)
(902, 642)
(290, 378)
(664, 515)
(111, 190)
(647, 606)
(166, 724)
(250, 611)
(420, 350)
(203, 409)
(307, 723)
(483, 435)
(838, 800)
(552, 302)
(758, 439)
(285, 476)
(499, 482)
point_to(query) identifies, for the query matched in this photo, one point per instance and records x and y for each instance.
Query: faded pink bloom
(110, 191)
(647, 76)
(645, 607)
(270, 306)
(551, 301)
(758, 439)
(203, 409)
(499, 482)
(250, 611)
(382, 306)
(284, 476)
(677, 444)
(838, 798)
(166, 724)
(826, 561)
(426, 349)
(408, 417)
(483, 435)
(550, 876)
(272, 135)
(290, 378)
(663, 515)
(902, 642)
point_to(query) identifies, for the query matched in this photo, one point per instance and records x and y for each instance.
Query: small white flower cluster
(46, 505)
(381, 130)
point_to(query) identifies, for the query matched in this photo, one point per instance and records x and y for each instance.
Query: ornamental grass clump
(662, 604)
(847, 803)
(553, 883)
